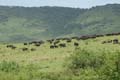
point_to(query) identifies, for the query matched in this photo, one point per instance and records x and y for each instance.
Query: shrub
(83, 59)
(105, 64)
(8, 66)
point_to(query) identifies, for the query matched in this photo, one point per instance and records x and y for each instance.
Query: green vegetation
(95, 65)
(20, 24)
(8, 66)
(91, 60)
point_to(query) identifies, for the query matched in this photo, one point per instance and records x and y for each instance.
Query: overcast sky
(64, 3)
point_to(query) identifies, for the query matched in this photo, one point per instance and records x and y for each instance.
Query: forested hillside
(18, 24)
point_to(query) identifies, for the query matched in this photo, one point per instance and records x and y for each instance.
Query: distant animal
(69, 40)
(76, 44)
(25, 43)
(62, 45)
(32, 49)
(115, 41)
(104, 42)
(24, 49)
(11, 46)
(52, 46)
(8, 46)
(84, 37)
(73, 37)
(37, 44)
(109, 41)
(56, 42)
(50, 41)
(55, 46)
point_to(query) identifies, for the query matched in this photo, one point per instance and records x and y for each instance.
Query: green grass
(50, 64)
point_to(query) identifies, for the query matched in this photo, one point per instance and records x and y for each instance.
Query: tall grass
(9, 66)
(95, 66)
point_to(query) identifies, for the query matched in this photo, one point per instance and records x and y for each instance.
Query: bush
(8, 66)
(105, 65)
(85, 59)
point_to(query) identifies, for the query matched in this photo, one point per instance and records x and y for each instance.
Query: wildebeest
(56, 42)
(112, 34)
(115, 41)
(62, 45)
(8, 46)
(32, 49)
(11, 46)
(53, 46)
(69, 40)
(108, 41)
(75, 38)
(24, 49)
(50, 41)
(76, 44)
(103, 42)
(84, 37)
(37, 44)
(25, 43)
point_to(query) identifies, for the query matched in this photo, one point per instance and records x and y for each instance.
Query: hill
(18, 24)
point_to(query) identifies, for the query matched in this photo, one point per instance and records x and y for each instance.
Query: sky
(63, 3)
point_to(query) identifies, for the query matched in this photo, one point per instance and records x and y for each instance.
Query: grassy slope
(46, 60)
(34, 23)
(19, 24)
(100, 20)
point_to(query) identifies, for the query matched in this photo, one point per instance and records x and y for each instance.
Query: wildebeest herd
(114, 41)
(58, 43)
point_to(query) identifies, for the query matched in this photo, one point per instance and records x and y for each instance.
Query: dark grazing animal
(104, 42)
(50, 41)
(74, 38)
(109, 41)
(37, 44)
(55, 46)
(62, 45)
(56, 42)
(25, 43)
(11, 46)
(69, 40)
(24, 49)
(115, 41)
(52, 46)
(32, 49)
(76, 44)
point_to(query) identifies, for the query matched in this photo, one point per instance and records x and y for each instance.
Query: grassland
(50, 64)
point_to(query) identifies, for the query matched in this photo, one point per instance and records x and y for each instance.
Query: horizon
(55, 3)
(56, 6)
